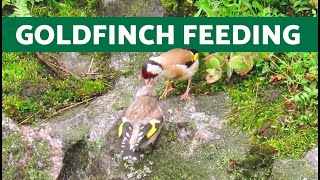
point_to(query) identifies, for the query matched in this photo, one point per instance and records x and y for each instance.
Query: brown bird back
(144, 108)
(176, 56)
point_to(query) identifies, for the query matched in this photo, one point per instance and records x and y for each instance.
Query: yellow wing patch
(124, 119)
(120, 129)
(195, 57)
(153, 128)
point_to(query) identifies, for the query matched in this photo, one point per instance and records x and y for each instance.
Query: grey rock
(132, 8)
(29, 152)
(291, 169)
(121, 61)
(76, 63)
(312, 158)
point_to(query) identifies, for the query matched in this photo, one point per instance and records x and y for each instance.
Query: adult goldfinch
(141, 123)
(175, 64)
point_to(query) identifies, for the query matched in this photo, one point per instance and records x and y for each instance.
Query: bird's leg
(185, 95)
(155, 143)
(167, 89)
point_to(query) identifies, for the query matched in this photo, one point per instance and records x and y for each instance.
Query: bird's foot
(185, 95)
(165, 92)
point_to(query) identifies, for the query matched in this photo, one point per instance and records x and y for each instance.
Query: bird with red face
(173, 65)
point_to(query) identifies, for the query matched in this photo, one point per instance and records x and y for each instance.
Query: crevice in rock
(74, 157)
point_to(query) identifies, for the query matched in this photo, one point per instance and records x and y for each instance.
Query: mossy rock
(23, 159)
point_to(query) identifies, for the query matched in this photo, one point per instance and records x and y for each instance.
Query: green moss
(170, 4)
(256, 164)
(178, 7)
(268, 120)
(97, 144)
(36, 161)
(39, 162)
(12, 151)
(31, 91)
(66, 8)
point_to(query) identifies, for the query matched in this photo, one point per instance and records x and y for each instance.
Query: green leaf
(241, 64)
(21, 9)
(283, 3)
(257, 5)
(213, 75)
(5, 2)
(204, 5)
(205, 54)
(265, 68)
(213, 63)
(306, 89)
(303, 9)
(237, 62)
(244, 53)
(296, 4)
(220, 58)
(198, 13)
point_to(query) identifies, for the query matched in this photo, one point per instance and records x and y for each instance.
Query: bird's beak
(148, 81)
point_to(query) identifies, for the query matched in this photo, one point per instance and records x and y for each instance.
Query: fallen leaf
(309, 76)
(276, 78)
(210, 79)
(306, 112)
(315, 122)
(290, 105)
(292, 88)
(303, 127)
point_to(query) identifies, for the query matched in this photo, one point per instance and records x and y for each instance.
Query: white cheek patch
(182, 66)
(154, 69)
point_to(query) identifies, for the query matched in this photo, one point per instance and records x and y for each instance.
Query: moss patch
(178, 7)
(39, 162)
(262, 113)
(12, 151)
(21, 161)
(66, 8)
(32, 92)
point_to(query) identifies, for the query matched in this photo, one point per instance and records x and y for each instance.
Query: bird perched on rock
(141, 123)
(175, 64)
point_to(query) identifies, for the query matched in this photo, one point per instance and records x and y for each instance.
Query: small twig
(31, 116)
(93, 73)
(90, 66)
(40, 57)
(32, 6)
(280, 68)
(68, 72)
(68, 107)
(256, 97)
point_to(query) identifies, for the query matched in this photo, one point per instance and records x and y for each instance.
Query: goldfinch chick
(141, 123)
